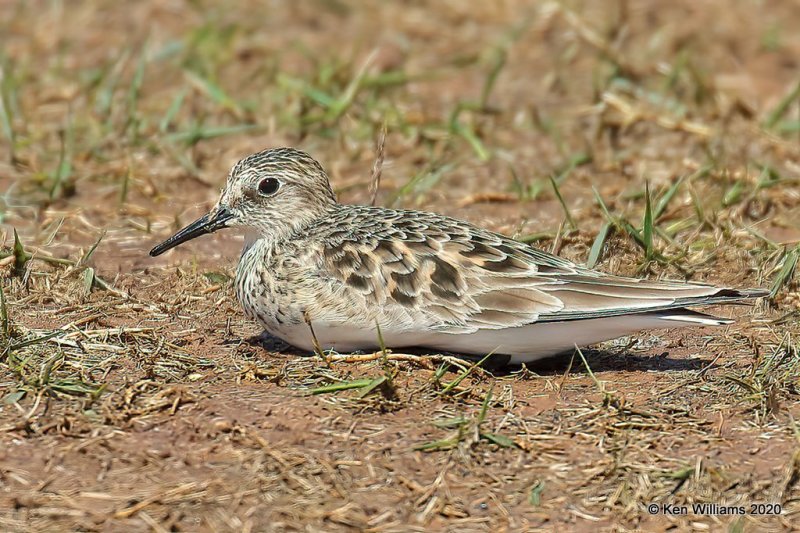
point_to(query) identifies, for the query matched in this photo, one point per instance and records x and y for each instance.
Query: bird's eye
(268, 186)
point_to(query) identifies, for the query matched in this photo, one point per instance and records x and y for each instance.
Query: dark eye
(268, 186)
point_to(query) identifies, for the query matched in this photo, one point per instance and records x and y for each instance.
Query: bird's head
(274, 192)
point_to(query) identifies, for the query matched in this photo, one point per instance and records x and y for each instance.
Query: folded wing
(457, 278)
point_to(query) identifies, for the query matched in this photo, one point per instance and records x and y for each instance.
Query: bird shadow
(614, 360)
(599, 359)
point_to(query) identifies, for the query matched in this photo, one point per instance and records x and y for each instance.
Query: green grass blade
(500, 440)
(345, 385)
(6, 98)
(783, 106)
(664, 201)
(174, 107)
(535, 495)
(597, 245)
(560, 198)
(88, 281)
(77, 387)
(734, 195)
(633, 233)
(88, 255)
(448, 423)
(769, 177)
(461, 377)
(21, 257)
(499, 57)
(64, 168)
(647, 224)
(372, 385)
(786, 272)
(37, 340)
(420, 182)
(13, 397)
(536, 237)
(469, 135)
(437, 445)
(603, 207)
(213, 91)
(104, 98)
(347, 98)
(788, 126)
(485, 406)
(135, 91)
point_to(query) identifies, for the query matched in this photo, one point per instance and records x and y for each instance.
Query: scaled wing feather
(461, 278)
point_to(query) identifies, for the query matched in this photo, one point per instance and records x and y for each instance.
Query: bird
(319, 274)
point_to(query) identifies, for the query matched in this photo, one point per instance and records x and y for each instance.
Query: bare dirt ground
(134, 395)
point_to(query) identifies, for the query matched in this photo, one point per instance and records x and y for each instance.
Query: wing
(455, 277)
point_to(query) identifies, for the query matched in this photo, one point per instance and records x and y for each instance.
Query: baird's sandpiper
(337, 272)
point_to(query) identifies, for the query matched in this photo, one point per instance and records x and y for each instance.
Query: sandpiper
(323, 274)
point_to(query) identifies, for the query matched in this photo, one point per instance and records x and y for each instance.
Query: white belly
(523, 344)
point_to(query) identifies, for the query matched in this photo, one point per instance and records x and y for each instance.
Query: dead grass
(649, 140)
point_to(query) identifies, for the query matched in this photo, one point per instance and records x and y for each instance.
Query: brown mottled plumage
(425, 279)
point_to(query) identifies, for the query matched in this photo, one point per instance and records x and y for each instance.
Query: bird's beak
(217, 219)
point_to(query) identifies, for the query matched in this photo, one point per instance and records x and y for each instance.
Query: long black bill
(208, 223)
